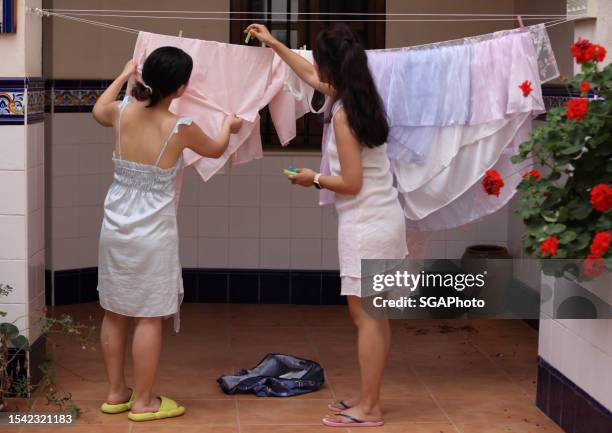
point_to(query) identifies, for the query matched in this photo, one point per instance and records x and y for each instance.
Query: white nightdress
(139, 273)
(371, 224)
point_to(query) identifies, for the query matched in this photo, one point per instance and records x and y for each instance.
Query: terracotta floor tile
(326, 316)
(153, 427)
(454, 364)
(481, 371)
(412, 410)
(472, 387)
(512, 409)
(90, 413)
(283, 412)
(527, 383)
(265, 315)
(190, 386)
(203, 412)
(490, 426)
(392, 387)
(433, 427)
(75, 428)
(289, 429)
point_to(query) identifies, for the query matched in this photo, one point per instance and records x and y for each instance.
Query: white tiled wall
(22, 244)
(248, 217)
(580, 349)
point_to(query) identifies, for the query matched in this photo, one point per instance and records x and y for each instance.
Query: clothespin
(180, 35)
(520, 21)
(248, 38)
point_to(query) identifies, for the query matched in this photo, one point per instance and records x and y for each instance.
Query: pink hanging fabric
(229, 78)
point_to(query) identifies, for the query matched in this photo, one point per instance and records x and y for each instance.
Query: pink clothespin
(520, 20)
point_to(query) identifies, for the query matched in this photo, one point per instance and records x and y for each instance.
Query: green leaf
(582, 241)
(554, 229)
(9, 330)
(567, 237)
(517, 159)
(550, 216)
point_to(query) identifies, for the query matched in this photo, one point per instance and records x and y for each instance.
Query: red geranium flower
(549, 246)
(585, 87)
(593, 266)
(492, 182)
(596, 53)
(584, 51)
(579, 50)
(600, 243)
(601, 197)
(577, 108)
(533, 173)
(526, 88)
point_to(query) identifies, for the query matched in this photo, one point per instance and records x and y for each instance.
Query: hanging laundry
(227, 79)
(460, 155)
(442, 137)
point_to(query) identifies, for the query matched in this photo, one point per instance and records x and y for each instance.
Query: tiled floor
(443, 377)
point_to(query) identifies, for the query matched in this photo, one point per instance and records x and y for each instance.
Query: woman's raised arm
(302, 67)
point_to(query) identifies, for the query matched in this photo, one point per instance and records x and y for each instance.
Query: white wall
(580, 349)
(248, 217)
(21, 186)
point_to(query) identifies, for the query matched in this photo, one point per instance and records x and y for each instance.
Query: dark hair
(343, 63)
(164, 72)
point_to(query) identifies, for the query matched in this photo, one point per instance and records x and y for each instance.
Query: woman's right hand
(234, 123)
(260, 32)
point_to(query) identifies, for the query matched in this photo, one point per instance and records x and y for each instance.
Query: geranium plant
(566, 206)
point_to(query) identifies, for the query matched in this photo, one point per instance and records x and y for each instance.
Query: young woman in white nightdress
(371, 221)
(139, 269)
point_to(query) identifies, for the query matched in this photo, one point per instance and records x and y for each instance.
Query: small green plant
(10, 337)
(13, 343)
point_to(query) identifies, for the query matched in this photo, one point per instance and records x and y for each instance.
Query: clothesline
(283, 20)
(299, 13)
(77, 18)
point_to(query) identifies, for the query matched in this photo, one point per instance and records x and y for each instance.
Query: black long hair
(343, 64)
(164, 72)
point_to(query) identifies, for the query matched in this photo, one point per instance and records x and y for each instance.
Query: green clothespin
(248, 38)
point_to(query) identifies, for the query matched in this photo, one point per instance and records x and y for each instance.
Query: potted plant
(566, 206)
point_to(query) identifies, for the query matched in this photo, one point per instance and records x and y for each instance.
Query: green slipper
(119, 407)
(167, 409)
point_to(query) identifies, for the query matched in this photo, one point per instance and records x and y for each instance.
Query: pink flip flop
(354, 422)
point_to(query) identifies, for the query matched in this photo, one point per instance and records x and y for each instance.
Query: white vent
(582, 8)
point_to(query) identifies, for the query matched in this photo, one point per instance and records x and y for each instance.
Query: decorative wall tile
(21, 100)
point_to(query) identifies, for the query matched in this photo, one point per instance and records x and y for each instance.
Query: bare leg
(113, 337)
(146, 349)
(374, 338)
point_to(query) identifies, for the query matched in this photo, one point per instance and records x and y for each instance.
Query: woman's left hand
(128, 69)
(304, 177)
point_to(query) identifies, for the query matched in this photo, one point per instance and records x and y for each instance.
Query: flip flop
(167, 409)
(119, 407)
(338, 406)
(354, 422)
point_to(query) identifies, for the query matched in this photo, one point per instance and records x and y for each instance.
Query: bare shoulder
(339, 118)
